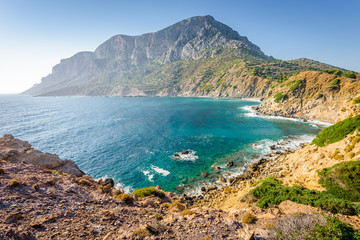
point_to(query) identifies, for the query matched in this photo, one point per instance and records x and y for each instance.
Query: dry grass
(295, 227)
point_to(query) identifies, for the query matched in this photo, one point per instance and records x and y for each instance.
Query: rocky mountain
(128, 65)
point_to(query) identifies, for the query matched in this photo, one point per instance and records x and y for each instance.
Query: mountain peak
(124, 57)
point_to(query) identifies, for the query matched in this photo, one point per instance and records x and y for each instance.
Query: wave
(160, 170)
(251, 99)
(252, 113)
(148, 175)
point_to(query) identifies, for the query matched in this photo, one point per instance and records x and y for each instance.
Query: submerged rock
(230, 164)
(185, 152)
(214, 166)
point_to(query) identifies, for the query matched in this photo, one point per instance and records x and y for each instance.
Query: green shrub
(279, 96)
(349, 74)
(356, 100)
(274, 86)
(335, 82)
(290, 83)
(342, 180)
(337, 131)
(296, 85)
(333, 229)
(149, 191)
(127, 198)
(271, 191)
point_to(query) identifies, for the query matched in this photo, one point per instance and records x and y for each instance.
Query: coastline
(282, 147)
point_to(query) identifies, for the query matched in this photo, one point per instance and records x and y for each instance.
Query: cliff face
(122, 64)
(313, 95)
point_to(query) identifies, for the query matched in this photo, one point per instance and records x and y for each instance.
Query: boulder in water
(230, 164)
(185, 152)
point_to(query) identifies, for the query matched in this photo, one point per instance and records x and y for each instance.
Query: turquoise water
(133, 139)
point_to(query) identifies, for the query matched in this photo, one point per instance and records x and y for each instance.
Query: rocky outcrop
(316, 97)
(14, 150)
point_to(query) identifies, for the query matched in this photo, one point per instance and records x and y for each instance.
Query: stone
(222, 179)
(109, 181)
(185, 152)
(214, 166)
(204, 174)
(230, 164)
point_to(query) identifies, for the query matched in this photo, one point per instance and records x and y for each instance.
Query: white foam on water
(252, 113)
(186, 157)
(160, 170)
(319, 124)
(148, 175)
(126, 189)
(252, 99)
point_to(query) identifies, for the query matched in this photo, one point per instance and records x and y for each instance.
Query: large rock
(15, 150)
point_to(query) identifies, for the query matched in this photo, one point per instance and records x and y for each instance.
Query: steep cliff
(313, 95)
(139, 65)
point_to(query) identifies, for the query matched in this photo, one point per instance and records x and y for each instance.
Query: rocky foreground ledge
(44, 197)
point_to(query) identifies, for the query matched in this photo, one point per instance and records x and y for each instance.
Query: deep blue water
(133, 139)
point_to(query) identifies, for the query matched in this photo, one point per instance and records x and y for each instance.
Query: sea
(133, 140)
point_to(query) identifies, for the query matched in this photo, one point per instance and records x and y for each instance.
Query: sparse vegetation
(127, 198)
(356, 100)
(271, 191)
(13, 183)
(54, 172)
(248, 217)
(149, 191)
(337, 131)
(311, 227)
(296, 85)
(279, 96)
(84, 182)
(333, 229)
(342, 180)
(187, 212)
(335, 82)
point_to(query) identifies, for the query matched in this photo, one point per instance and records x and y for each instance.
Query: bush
(337, 131)
(349, 74)
(296, 85)
(248, 218)
(356, 100)
(279, 96)
(127, 198)
(335, 82)
(271, 191)
(342, 180)
(150, 191)
(333, 229)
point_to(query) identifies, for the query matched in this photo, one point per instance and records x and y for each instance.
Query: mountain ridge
(122, 57)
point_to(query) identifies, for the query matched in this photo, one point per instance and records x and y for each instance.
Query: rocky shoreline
(56, 201)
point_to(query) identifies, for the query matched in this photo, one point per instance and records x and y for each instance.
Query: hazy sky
(36, 34)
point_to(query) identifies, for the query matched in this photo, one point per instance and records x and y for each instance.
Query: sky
(36, 34)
